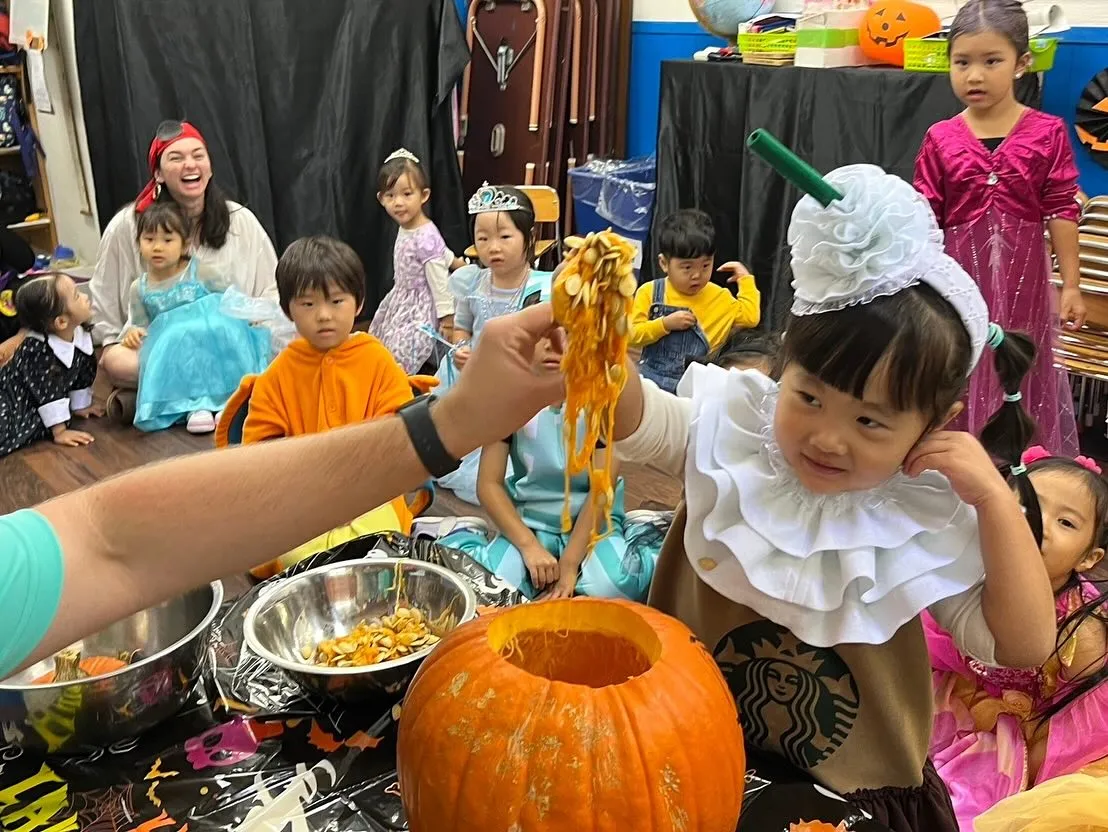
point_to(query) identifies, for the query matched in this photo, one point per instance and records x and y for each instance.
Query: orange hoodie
(307, 391)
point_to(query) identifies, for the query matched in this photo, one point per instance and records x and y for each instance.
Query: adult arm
(154, 532)
(117, 267)
(264, 278)
(437, 272)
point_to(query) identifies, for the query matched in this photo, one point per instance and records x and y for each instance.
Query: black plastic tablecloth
(830, 117)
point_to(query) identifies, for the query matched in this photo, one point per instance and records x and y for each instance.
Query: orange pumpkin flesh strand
(637, 731)
(592, 300)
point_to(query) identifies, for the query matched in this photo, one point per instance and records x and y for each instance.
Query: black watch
(416, 416)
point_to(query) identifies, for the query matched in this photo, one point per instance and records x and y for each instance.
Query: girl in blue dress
(504, 236)
(192, 356)
(534, 552)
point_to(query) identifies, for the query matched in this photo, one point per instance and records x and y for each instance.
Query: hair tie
(995, 336)
(1016, 470)
(1013, 397)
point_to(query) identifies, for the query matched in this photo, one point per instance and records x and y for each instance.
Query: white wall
(1078, 12)
(64, 140)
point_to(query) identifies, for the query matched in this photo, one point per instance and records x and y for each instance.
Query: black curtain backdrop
(829, 117)
(300, 102)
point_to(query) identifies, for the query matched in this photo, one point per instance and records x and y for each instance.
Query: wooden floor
(44, 470)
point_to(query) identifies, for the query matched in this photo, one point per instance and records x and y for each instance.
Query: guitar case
(508, 91)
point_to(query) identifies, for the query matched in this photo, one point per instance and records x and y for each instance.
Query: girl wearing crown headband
(995, 175)
(825, 512)
(1000, 731)
(504, 236)
(419, 298)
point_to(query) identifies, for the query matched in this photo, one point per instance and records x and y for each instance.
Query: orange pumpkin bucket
(579, 715)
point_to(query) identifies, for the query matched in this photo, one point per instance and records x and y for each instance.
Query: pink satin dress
(993, 206)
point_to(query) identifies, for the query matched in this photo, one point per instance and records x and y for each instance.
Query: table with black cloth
(830, 117)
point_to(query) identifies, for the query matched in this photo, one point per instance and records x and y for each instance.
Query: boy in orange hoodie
(328, 377)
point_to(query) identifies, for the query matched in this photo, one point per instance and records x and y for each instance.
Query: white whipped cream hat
(860, 233)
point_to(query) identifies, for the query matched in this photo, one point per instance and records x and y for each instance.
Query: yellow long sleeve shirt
(716, 309)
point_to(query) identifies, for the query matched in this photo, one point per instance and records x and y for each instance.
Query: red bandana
(154, 157)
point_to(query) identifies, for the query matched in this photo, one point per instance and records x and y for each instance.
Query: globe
(722, 17)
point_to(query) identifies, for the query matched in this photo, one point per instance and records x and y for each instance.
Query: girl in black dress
(49, 379)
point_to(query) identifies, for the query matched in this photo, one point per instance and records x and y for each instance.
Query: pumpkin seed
(628, 286)
(572, 285)
(621, 325)
(574, 242)
(590, 256)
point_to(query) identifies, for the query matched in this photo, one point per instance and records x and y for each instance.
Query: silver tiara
(402, 154)
(490, 198)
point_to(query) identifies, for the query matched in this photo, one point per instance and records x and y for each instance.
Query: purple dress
(993, 207)
(412, 301)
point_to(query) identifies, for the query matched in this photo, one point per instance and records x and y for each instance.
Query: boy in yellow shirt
(685, 316)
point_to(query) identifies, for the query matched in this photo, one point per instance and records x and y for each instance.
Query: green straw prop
(792, 167)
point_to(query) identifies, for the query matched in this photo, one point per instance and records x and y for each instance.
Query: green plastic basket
(929, 55)
(780, 43)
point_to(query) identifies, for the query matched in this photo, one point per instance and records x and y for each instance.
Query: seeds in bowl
(378, 640)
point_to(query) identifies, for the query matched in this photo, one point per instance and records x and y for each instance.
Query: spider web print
(105, 810)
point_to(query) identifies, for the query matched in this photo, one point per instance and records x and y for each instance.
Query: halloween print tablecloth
(252, 753)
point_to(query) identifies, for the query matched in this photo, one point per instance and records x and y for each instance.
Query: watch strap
(416, 416)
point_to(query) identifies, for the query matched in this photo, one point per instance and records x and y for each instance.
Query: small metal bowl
(324, 603)
(95, 712)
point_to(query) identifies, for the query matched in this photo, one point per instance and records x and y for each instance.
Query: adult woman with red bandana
(228, 239)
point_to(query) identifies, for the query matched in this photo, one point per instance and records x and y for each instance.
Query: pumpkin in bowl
(579, 715)
(816, 826)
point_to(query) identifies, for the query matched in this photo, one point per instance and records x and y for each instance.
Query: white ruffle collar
(835, 569)
(64, 350)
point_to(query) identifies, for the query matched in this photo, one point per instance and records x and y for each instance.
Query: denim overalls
(665, 361)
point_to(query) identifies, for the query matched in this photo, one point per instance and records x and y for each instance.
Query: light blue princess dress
(194, 355)
(620, 565)
(477, 302)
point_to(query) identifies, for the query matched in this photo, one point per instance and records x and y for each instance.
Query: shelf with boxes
(25, 202)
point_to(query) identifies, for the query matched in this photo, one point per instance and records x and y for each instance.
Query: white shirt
(247, 260)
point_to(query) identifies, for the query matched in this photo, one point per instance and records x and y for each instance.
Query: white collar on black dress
(846, 568)
(64, 350)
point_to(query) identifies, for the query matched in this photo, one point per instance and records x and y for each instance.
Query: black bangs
(913, 340)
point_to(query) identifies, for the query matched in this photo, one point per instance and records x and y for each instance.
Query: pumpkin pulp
(579, 642)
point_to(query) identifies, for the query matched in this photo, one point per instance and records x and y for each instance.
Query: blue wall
(1082, 54)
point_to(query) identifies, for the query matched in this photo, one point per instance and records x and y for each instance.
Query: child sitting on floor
(192, 356)
(533, 551)
(49, 379)
(746, 350)
(685, 316)
(329, 377)
(998, 731)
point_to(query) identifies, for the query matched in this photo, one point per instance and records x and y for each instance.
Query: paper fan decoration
(1092, 118)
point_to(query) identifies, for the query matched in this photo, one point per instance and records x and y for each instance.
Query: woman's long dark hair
(1095, 608)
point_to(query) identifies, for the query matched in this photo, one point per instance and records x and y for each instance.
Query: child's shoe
(202, 421)
(436, 528)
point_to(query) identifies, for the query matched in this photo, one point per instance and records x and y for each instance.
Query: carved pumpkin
(574, 715)
(888, 23)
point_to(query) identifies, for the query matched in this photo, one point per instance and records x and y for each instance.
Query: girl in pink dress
(994, 175)
(999, 731)
(419, 301)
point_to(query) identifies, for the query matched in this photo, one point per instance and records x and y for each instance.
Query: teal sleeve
(31, 570)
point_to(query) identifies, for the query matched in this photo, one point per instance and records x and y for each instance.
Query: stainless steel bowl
(320, 604)
(76, 717)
